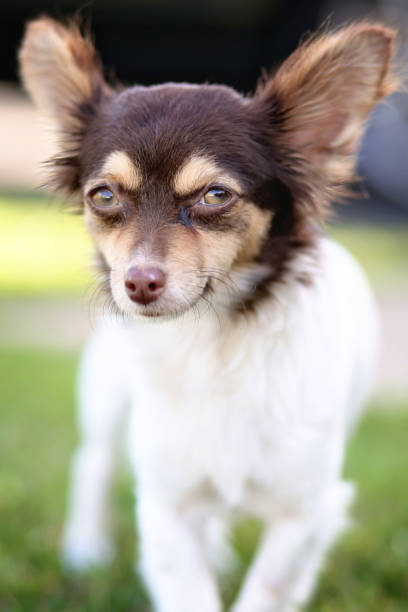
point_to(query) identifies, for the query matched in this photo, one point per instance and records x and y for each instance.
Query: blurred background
(46, 286)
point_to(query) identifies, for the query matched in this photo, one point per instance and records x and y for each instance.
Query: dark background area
(150, 41)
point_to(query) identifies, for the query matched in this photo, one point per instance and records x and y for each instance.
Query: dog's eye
(215, 197)
(104, 198)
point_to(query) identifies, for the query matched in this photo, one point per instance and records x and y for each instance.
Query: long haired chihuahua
(204, 207)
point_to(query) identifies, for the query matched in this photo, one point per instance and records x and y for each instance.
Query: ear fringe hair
(63, 73)
(293, 98)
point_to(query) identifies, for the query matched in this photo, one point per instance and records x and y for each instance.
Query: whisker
(211, 306)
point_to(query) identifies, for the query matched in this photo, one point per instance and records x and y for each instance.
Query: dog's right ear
(60, 69)
(63, 74)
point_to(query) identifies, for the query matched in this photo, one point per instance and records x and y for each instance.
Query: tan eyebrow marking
(119, 167)
(199, 170)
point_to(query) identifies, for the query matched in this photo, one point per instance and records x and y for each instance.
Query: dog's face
(169, 192)
(196, 193)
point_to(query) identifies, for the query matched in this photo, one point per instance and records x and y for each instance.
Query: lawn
(367, 571)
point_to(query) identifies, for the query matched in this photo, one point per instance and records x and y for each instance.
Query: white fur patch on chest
(247, 411)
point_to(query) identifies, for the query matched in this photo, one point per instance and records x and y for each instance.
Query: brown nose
(144, 285)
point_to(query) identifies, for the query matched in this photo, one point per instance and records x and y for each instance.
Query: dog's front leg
(268, 581)
(103, 400)
(291, 552)
(172, 561)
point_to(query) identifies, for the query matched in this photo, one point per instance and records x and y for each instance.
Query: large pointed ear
(320, 97)
(63, 74)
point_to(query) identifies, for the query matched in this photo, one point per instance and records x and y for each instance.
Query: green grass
(46, 251)
(367, 572)
(43, 249)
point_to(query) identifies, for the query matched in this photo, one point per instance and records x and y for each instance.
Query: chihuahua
(205, 209)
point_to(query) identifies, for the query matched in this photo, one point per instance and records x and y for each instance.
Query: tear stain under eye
(184, 218)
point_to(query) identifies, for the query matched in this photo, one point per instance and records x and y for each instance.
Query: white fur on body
(229, 416)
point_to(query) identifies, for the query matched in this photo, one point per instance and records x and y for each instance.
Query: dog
(248, 337)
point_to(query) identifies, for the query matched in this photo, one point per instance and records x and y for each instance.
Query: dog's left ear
(317, 102)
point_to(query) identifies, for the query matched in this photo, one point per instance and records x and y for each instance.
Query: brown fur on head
(279, 156)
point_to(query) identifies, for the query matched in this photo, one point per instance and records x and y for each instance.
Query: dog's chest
(219, 413)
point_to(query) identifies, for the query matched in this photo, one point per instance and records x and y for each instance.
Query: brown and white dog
(202, 204)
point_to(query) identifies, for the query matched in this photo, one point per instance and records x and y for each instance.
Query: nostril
(152, 286)
(131, 286)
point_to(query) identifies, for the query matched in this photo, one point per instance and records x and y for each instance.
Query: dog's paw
(79, 555)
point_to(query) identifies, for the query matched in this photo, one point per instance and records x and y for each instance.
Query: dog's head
(195, 192)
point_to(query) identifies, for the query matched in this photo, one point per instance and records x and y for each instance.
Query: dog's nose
(144, 285)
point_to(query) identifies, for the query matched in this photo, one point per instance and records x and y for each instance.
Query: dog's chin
(157, 315)
(163, 314)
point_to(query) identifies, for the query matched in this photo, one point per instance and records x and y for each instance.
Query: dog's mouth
(164, 309)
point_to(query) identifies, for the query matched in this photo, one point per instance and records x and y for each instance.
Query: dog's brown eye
(104, 198)
(216, 197)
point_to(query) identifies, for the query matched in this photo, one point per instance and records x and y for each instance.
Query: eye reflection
(104, 198)
(216, 197)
